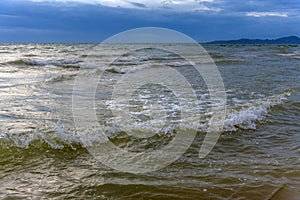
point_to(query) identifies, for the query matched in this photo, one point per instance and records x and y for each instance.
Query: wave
(58, 78)
(128, 69)
(57, 138)
(69, 63)
(228, 61)
(216, 55)
(123, 69)
(242, 117)
(294, 55)
(247, 116)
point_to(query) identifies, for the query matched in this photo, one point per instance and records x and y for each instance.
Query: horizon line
(199, 42)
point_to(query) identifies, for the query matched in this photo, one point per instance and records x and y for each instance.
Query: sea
(45, 154)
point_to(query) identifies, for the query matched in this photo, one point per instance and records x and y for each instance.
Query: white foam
(246, 116)
(57, 137)
(52, 62)
(130, 69)
(243, 116)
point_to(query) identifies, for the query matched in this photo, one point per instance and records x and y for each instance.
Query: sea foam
(242, 117)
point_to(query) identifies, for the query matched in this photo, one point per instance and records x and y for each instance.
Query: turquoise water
(43, 155)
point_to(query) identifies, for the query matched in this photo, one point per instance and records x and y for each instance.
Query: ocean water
(43, 155)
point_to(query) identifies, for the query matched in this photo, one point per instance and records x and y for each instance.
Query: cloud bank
(176, 5)
(76, 21)
(267, 14)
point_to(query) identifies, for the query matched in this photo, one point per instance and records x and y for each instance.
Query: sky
(92, 21)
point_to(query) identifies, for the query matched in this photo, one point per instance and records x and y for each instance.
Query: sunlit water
(43, 155)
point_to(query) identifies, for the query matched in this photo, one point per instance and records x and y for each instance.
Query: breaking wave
(242, 117)
(69, 63)
(128, 69)
(247, 116)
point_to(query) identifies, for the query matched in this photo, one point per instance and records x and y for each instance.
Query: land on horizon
(282, 40)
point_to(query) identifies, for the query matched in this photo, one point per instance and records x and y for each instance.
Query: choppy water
(42, 155)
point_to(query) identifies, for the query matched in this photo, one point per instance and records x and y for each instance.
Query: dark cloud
(22, 21)
(140, 5)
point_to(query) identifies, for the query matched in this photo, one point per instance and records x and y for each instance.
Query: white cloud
(206, 8)
(180, 5)
(267, 14)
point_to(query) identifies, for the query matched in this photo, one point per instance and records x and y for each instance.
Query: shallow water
(43, 155)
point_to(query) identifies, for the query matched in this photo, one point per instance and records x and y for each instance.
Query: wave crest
(241, 117)
(247, 116)
(68, 63)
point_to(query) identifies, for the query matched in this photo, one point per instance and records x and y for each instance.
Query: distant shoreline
(283, 40)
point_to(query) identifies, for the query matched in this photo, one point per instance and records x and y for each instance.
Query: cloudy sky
(76, 21)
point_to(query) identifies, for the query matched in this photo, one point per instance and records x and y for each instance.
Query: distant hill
(283, 40)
